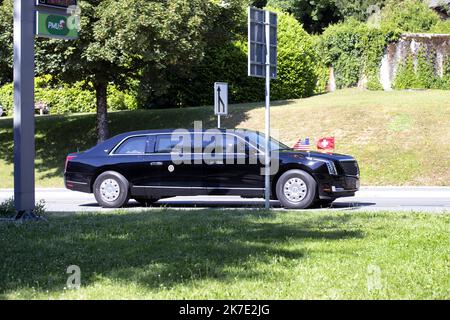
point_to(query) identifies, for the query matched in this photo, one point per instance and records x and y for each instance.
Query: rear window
(135, 145)
(169, 144)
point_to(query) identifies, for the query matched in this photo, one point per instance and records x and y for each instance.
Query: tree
(6, 40)
(409, 16)
(121, 40)
(188, 83)
(317, 15)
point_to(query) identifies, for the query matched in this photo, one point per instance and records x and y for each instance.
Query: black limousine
(151, 165)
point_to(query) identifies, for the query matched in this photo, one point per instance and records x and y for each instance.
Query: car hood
(318, 155)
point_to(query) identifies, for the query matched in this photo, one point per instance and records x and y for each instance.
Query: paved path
(432, 199)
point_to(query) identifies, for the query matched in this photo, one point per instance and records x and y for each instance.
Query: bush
(7, 208)
(353, 48)
(66, 99)
(409, 16)
(297, 75)
(225, 63)
(442, 27)
(298, 71)
(406, 75)
(444, 82)
(6, 98)
(421, 75)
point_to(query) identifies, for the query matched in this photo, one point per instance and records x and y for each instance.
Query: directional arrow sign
(221, 98)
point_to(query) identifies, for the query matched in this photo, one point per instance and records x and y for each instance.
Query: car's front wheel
(111, 190)
(296, 189)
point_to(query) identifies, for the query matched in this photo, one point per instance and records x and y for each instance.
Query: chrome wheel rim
(110, 190)
(295, 190)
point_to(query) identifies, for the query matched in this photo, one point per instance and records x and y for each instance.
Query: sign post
(262, 63)
(220, 100)
(25, 21)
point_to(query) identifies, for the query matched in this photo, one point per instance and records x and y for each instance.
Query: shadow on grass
(158, 249)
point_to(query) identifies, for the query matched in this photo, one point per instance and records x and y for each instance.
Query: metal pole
(267, 134)
(24, 145)
(218, 121)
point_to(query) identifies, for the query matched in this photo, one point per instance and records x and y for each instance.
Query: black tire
(111, 190)
(146, 202)
(301, 181)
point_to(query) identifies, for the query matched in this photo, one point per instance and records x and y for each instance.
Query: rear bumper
(71, 182)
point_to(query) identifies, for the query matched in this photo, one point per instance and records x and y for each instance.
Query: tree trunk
(101, 92)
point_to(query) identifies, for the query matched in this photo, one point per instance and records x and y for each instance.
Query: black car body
(141, 165)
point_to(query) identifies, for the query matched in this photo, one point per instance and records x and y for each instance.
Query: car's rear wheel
(111, 190)
(146, 202)
(296, 189)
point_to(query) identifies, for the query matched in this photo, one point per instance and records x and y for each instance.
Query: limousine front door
(236, 171)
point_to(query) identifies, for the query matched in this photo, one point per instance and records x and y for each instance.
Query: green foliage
(419, 73)
(7, 208)
(297, 76)
(6, 41)
(298, 70)
(354, 49)
(227, 63)
(318, 14)
(406, 75)
(65, 99)
(409, 16)
(6, 98)
(444, 82)
(442, 27)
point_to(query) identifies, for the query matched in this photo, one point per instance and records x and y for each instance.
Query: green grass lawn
(231, 254)
(399, 137)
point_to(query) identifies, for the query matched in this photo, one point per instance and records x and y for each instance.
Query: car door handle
(158, 163)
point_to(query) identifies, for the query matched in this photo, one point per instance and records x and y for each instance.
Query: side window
(234, 144)
(212, 143)
(167, 144)
(134, 145)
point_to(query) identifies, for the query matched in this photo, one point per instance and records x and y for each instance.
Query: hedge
(65, 99)
(354, 49)
(300, 72)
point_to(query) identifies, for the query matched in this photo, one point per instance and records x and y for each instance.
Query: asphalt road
(431, 199)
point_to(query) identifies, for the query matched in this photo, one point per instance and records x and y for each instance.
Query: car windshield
(259, 139)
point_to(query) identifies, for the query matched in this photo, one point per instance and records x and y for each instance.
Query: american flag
(300, 146)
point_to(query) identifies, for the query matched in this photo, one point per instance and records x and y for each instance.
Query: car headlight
(330, 165)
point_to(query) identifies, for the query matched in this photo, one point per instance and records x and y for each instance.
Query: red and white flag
(326, 144)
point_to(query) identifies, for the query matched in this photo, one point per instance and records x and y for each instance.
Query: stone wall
(437, 47)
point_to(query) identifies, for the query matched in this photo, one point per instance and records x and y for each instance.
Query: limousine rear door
(174, 169)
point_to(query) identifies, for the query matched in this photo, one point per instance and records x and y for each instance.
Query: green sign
(58, 26)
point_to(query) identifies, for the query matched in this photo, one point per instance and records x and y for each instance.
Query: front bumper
(338, 187)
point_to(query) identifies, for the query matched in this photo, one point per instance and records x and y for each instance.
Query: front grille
(349, 168)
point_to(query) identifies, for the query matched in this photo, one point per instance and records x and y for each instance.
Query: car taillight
(68, 158)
